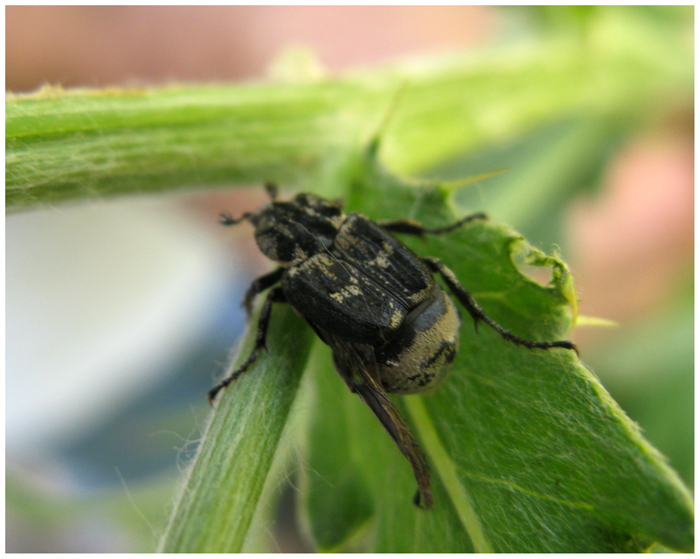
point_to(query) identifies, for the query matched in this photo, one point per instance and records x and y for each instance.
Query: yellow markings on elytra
(350, 291)
(381, 260)
(299, 254)
(396, 316)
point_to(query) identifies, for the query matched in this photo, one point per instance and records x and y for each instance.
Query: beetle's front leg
(260, 285)
(274, 296)
(410, 227)
(477, 313)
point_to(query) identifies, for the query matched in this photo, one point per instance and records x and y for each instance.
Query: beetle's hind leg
(274, 296)
(410, 227)
(477, 313)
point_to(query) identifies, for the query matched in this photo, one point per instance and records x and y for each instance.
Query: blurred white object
(98, 299)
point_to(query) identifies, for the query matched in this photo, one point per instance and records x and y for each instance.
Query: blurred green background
(614, 193)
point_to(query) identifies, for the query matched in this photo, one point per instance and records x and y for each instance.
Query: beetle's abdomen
(336, 297)
(419, 356)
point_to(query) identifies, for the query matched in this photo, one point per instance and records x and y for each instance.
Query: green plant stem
(64, 145)
(221, 494)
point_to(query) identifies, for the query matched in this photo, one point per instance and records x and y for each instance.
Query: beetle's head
(290, 232)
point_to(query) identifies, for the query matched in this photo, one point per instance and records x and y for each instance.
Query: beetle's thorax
(291, 232)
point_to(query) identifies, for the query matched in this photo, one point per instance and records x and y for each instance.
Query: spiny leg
(391, 420)
(260, 285)
(477, 313)
(351, 360)
(274, 296)
(410, 227)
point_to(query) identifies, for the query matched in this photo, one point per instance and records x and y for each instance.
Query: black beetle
(391, 327)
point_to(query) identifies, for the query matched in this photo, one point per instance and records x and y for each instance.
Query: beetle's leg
(260, 285)
(459, 291)
(391, 420)
(409, 227)
(227, 219)
(351, 362)
(274, 296)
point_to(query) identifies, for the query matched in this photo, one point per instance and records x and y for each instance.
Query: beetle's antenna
(271, 190)
(226, 218)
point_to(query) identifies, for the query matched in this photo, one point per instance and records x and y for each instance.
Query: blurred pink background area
(634, 244)
(115, 45)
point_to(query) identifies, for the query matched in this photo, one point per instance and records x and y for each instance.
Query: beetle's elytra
(392, 328)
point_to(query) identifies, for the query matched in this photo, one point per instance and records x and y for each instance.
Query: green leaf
(222, 493)
(649, 369)
(529, 453)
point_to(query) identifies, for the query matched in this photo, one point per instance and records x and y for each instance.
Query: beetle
(391, 327)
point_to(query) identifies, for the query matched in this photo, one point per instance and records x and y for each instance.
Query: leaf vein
(447, 471)
(516, 487)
